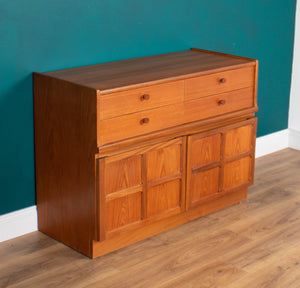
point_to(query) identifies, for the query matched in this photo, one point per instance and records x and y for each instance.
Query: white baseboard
(294, 139)
(25, 221)
(271, 143)
(18, 223)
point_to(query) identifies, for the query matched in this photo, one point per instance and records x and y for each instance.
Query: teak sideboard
(128, 149)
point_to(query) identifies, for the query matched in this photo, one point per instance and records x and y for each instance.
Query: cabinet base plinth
(107, 246)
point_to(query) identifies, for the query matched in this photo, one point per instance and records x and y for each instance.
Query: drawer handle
(145, 97)
(222, 80)
(145, 121)
(221, 102)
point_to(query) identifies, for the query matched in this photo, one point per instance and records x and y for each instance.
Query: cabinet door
(137, 187)
(120, 192)
(165, 184)
(238, 168)
(219, 161)
(204, 163)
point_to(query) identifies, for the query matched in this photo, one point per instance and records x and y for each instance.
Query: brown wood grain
(204, 184)
(236, 172)
(163, 162)
(128, 126)
(133, 73)
(220, 82)
(145, 231)
(164, 197)
(255, 247)
(129, 145)
(204, 150)
(209, 106)
(65, 144)
(238, 140)
(176, 131)
(122, 174)
(122, 211)
(139, 184)
(127, 102)
(216, 161)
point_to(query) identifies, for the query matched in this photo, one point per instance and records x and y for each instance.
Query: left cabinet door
(119, 193)
(139, 186)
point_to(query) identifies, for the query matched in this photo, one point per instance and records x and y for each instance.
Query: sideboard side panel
(65, 144)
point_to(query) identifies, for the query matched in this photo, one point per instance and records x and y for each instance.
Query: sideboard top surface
(114, 76)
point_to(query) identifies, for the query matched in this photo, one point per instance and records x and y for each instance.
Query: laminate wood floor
(252, 244)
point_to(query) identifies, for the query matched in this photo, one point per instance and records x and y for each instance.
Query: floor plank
(252, 244)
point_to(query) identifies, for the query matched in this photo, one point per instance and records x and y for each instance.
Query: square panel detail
(122, 174)
(204, 184)
(236, 172)
(238, 140)
(163, 162)
(163, 197)
(204, 150)
(122, 211)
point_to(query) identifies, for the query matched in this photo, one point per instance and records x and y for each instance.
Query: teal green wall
(39, 35)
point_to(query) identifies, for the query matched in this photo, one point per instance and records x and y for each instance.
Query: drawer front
(140, 123)
(134, 100)
(124, 127)
(219, 104)
(219, 82)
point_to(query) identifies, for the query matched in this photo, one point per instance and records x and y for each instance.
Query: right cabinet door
(220, 161)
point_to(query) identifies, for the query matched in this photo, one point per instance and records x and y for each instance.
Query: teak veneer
(128, 149)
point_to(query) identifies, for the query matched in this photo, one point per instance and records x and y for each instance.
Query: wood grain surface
(65, 144)
(134, 100)
(140, 186)
(251, 245)
(133, 73)
(97, 204)
(220, 82)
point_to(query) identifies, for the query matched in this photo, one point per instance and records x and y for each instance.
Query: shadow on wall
(16, 126)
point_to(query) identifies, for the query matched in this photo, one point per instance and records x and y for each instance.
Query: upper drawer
(219, 82)
(134, 100)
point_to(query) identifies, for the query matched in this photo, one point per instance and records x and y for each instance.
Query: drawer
(218, 104)
(219, 82)
(145, 98)
(115, 129)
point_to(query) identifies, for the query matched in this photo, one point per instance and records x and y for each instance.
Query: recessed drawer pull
(145, 97)
(221, 102)
(145, 121)
(222, 80)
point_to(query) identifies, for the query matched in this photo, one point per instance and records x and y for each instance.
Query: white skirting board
(18, 223)
(294, 139)
(271, 143)
(25, 221)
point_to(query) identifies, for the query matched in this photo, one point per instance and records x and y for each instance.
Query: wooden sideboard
(128, 149)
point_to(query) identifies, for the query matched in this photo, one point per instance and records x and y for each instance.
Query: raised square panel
(122, 211)
(163, 197)
(238, 140)
(163, 162)
(122, 174)
(236, 172)
(204, 184)
(204, 150)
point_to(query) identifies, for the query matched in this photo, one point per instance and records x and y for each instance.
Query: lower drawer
(140, 123)
(218, 104)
